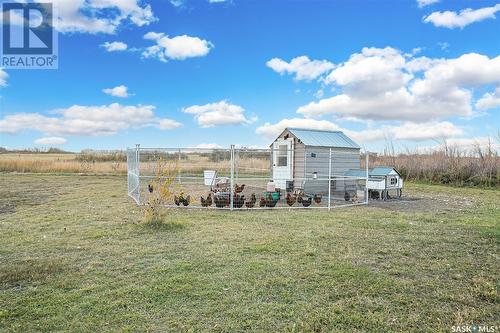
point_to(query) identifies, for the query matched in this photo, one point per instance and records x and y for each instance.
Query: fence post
(231, 193)
(137, 170)
(367, 154)
(330, 180)
(179, 167)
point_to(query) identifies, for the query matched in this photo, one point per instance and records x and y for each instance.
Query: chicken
(270, 202)
(307, 203)
(290, 199)
(238, 201)
(347, 197)
(262, 202)
(317, 198)
(206, 202)
(150, 188)
(239, 189)
(251, 203)
(186, 200)
(176, 200)
(221, 201)
(299, 199)
(354, 198)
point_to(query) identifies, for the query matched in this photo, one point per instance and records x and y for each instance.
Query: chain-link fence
(239, 178)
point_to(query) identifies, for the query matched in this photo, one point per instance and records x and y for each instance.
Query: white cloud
(177, 3)
(219, 113)
(168, 124)
(449, 19)
(100, 16)
(381, 84)
(114, 46)
(271, 131)
(177, 48)
(3, 78)
(423, 3)
(119, 91)
(84, 120)
(302, 67)
(406, 131)
(489, 100)
(53, 140)
(208, 146)
(467, 145)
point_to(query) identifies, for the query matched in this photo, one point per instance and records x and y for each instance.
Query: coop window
(283, 155)
(394, 181)
(313, 154)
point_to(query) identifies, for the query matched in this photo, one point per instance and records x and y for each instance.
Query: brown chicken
(270, 202)
(221, 201)
(317, 198)
(290, 199)
(262, 202)
(239, 189)
(206, 202)
(251, 203)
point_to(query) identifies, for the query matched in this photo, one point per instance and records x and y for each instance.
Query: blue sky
(201, 73)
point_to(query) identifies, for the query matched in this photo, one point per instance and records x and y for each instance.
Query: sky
(211, 73)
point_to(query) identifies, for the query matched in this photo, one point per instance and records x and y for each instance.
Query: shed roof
(318, 138)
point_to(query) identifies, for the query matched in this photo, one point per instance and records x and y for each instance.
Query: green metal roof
(319, 138)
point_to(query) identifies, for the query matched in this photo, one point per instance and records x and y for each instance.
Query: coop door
(282, 162)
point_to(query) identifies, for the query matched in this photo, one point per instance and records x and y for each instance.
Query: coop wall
(343, 159)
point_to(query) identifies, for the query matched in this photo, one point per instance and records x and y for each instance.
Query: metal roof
(319, 138)
(377, 171)
(382, 171)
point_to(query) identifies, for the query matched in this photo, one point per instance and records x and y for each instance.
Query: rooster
(317, 198)
(239, 189)
(290, 199)
(250, 203)
(150, 188)
(262, 202)
(206, 202)
(307, 203)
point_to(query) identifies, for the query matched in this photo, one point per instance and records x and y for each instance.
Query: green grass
(73, 257)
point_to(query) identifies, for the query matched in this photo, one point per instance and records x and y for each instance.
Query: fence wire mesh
(249, 178)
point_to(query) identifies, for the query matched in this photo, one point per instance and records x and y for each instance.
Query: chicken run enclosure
(240, 179)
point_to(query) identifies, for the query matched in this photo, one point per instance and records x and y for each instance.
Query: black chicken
(347, 197)
(307, 202)
(150, 188)
(238, 201)
(270, 202)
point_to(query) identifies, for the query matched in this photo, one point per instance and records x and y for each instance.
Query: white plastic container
(271, 187)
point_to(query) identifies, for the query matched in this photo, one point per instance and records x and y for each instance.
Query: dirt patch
(412, 201)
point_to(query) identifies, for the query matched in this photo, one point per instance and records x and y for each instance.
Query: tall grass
(477, 166)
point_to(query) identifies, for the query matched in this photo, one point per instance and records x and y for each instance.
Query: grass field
(74, 257)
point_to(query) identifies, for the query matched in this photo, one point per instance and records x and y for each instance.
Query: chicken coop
(382, 182)
(301, 169)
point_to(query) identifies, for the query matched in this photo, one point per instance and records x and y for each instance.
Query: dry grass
(57, 163)
(479, 166)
